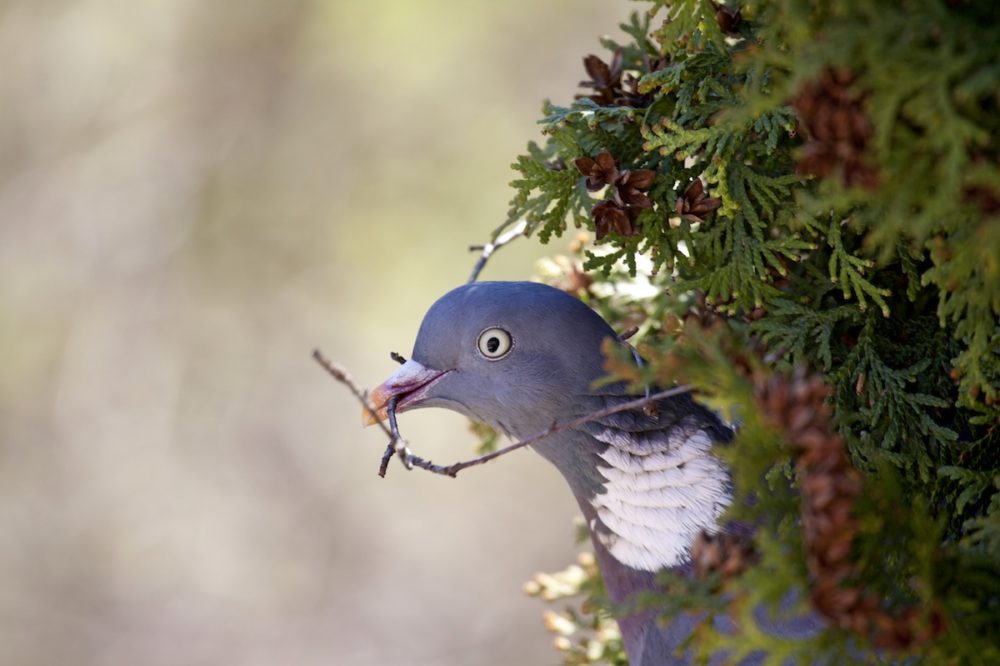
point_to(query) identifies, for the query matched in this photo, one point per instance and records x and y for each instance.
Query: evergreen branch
(973, 483)
(804, 331)
(847, 270)
(589, 113)
(890, 120)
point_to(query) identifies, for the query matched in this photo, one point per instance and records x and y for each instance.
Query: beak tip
(369, 418)
(407, 380)
(378, 401)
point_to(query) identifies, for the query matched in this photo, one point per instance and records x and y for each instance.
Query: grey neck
(643, 509)
(643, 514)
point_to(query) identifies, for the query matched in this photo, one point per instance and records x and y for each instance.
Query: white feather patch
(656, 502)
(636, 556)
(651, 462)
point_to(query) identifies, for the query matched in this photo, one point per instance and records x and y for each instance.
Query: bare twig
(394, 437)
(453, 470)
(344, 377)
(487, 250)
(396, 442)
(398, 445)
(383, 466)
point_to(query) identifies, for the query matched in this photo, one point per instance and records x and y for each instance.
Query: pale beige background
(194, 194)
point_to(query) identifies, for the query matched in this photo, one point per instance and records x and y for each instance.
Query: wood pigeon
(521, 355)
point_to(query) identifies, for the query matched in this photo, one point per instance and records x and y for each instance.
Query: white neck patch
(655, 503)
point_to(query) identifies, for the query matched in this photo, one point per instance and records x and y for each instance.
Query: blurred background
(193, 195)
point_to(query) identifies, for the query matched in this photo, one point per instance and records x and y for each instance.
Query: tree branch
(454, 469)
(396, 442)
(399, 445)
(487, 250)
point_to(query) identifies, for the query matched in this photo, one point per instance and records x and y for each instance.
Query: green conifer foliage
(826, 201)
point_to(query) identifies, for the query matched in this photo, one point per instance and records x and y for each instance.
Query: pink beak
(409, 384)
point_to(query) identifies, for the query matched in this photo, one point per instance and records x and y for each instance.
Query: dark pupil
(493, 344)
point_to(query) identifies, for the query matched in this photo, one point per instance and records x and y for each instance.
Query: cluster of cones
(619, 213)
(612, 85)
(628, 198)
(628, 195)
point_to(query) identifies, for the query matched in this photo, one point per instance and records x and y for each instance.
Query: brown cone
(830, 487)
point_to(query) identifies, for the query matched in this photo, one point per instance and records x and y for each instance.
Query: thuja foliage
(810, 185)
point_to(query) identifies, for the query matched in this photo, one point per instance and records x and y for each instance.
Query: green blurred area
(192, 196)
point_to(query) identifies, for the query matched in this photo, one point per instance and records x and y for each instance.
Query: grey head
(520, 356)
(523, 350)
(514, 355)
(517, 356)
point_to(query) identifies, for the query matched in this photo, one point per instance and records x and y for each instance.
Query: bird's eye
(494, 343)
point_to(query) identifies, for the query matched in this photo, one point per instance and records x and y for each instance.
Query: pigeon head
(520, 356)
(514, 355)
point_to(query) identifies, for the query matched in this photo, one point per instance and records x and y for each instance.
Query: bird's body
(520, 356)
